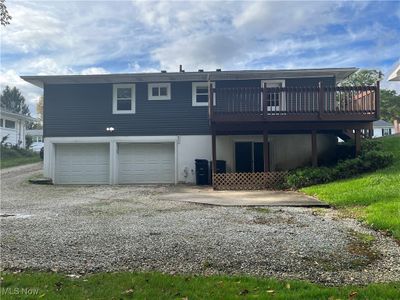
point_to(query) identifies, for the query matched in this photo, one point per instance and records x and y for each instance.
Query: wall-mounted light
(110, 129)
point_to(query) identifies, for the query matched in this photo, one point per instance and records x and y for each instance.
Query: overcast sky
(94, 37)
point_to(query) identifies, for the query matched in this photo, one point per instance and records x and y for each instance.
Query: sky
(97, 37)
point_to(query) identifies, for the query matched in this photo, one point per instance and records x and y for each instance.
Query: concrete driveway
(206, 195)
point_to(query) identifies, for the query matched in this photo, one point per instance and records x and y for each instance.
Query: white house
(36, 134)
(13, 126)
(382, 128)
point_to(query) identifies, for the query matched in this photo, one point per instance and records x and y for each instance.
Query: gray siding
(86, 110)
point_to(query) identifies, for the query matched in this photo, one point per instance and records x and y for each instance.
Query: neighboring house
(382, 128)
(36, 134)
(395, 76)
(13, 126)
(150, 128)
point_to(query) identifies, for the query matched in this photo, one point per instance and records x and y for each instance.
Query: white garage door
(146, 163)
(82, 163)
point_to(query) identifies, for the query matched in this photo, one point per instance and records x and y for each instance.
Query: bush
(309, 176)
(14, 152)
(371, 159)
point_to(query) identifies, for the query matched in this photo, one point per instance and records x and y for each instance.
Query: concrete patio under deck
(206, 195)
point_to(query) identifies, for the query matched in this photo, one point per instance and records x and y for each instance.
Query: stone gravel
(83, 229)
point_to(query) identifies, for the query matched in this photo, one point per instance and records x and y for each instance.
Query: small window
(9, 124)
(159, 91)
(1, 122)
(124, 99)
(386, 131)
(200, 93)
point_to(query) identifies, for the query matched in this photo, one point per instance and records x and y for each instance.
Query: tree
(5, 16)
(362, 77)
(39, 108)
(13, 101)
(390, 105)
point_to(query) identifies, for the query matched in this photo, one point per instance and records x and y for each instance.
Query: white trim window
(200, 93)
(124, 100)
(159, 91)
(275, 101)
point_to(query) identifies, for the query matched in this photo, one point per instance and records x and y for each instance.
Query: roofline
(338, 73)
(18, 116)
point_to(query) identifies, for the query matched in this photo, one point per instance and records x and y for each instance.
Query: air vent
(163, 71)
(218, 70)
(201, 70)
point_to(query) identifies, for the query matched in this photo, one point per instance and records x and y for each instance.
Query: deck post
(214, 156)
(357, 141)
(266, 151)
(314, 150)
(377, 101)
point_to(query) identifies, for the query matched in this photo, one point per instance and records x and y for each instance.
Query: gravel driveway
(79, 229)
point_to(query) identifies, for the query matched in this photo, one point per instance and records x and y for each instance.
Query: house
(150, 127)
(36, 134)
(382, 128)
(395, 76)
(13, 126)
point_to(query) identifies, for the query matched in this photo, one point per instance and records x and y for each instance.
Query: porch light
(110, 129)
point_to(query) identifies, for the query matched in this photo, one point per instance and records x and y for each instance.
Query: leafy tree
(390, 105)
(39, 108)
(362, 77)
(5, 16)
(13, 101)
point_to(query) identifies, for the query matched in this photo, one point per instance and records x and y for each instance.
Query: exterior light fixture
(110, 129)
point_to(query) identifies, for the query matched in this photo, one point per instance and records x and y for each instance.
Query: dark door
(244, 157)
(258, 157)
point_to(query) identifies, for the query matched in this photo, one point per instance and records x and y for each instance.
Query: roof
(34, 132)
(338, 73)
(395, 75)
(10, 114)
(382, 123)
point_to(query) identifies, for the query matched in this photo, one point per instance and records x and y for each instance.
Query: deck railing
(329, 102)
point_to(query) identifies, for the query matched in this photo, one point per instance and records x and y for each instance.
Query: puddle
(15, 216)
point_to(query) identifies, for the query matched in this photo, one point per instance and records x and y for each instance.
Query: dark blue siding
(86, 110)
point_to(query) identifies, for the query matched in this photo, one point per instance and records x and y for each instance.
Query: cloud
(274, 18)
(93, 71)
(199, 52)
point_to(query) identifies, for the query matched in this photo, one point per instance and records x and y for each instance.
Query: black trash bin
(201, 171)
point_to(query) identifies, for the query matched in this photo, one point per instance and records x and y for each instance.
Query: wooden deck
(294, 104)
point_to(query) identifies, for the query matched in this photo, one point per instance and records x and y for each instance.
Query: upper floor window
(124, 99)
(9, 124)
(200, 93)
(159, 91)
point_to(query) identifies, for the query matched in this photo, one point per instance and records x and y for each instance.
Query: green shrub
(15, 152)
(371, 159)
(309, 176)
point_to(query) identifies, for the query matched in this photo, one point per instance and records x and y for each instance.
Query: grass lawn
(11, 157)
(159, 286)
(374, 197)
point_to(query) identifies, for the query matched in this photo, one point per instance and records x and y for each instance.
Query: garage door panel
(146, 163)
(82, 163)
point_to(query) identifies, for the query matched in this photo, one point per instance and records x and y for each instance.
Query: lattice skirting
(248, 181)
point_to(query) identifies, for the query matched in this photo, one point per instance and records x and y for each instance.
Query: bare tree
(5, 16)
